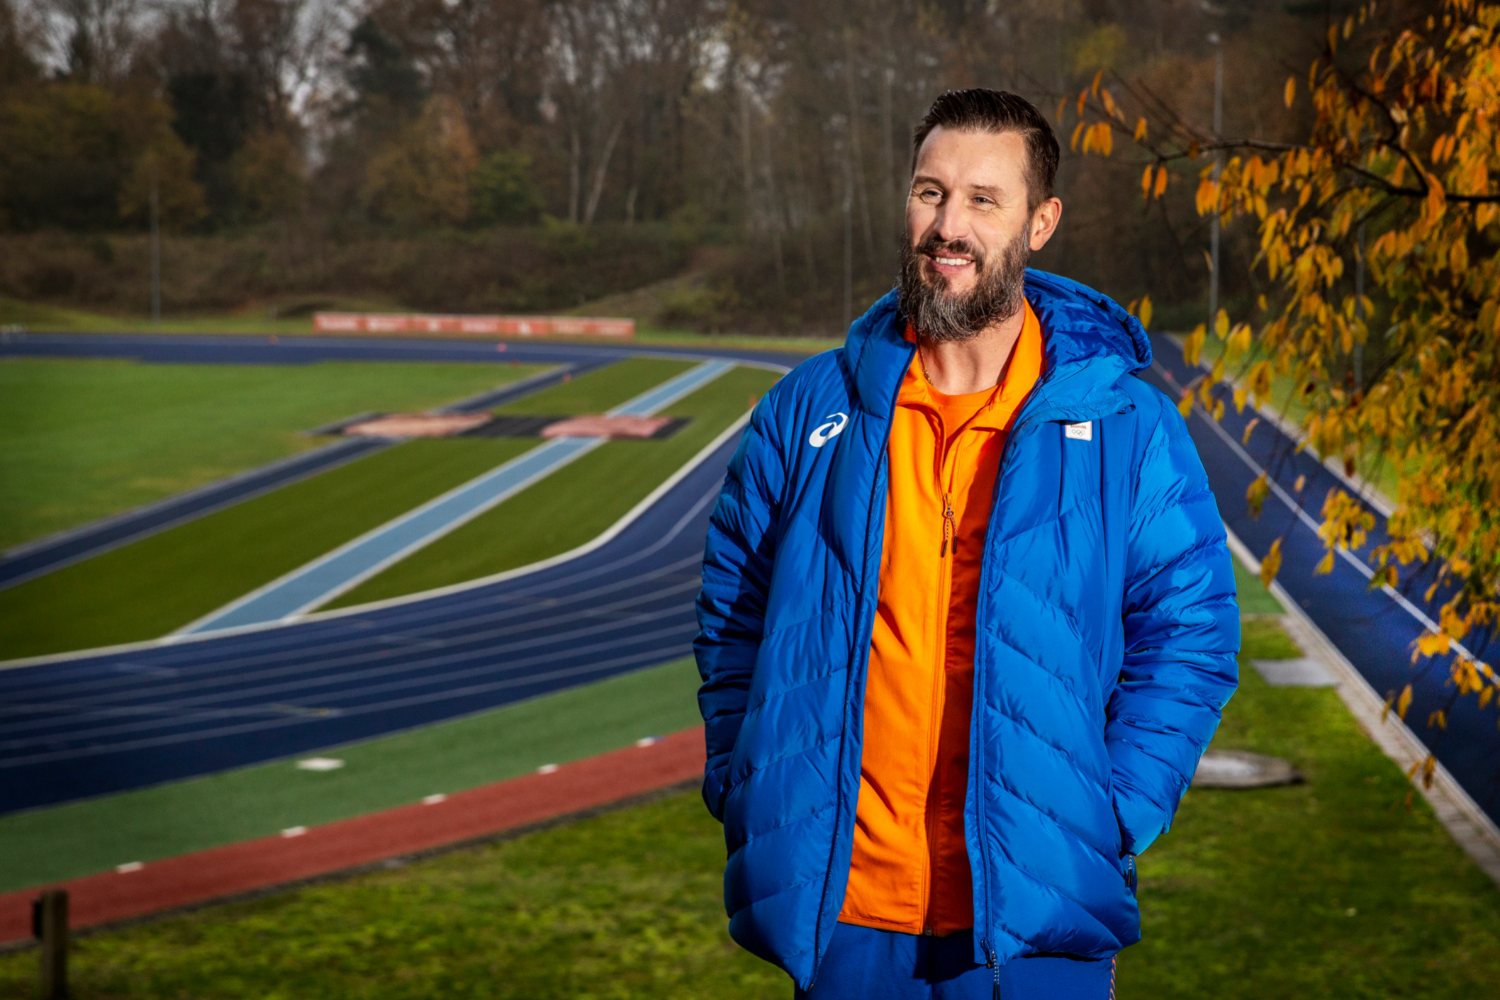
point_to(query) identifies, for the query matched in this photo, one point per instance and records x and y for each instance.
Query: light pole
(1359, 305)
(155, 248)
(848, 238)
(1213, 223)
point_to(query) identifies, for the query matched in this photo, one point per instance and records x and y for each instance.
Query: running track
(109, 722)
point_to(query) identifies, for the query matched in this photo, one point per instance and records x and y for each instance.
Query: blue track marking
(347, 566)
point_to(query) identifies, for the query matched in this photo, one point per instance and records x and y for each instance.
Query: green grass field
(569, 507)
(1331, 889)
(82, 439)
(62, 842)
(153, 586)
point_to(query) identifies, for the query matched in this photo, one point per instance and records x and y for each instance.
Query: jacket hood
(1090, 344)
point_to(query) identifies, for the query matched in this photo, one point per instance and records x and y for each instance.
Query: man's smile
(944, 264)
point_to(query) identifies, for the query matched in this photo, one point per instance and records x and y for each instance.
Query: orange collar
(1021, 374)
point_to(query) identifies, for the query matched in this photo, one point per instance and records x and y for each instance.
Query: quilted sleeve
(1182, 635)
(732, 602)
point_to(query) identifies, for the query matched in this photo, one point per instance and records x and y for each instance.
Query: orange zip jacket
(910, 868)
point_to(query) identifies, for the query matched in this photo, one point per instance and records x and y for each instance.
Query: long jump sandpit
(297, 855)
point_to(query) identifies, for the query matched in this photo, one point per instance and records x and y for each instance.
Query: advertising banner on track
(474, 326)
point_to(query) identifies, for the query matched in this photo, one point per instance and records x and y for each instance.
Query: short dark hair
(981, 110)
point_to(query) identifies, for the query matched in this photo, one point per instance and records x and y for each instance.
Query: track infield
(85, 438)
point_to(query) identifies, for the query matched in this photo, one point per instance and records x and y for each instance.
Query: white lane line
(251, 701)
(649, 658)
(1311, 524)
(352, 563)
(83, 696)
(353, 649)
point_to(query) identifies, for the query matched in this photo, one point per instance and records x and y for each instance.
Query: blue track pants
(867, 964)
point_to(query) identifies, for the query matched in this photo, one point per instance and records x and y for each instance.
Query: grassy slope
(1250, 896)
(64, 842)
(81, 439)
(569, 508)
(153, 586)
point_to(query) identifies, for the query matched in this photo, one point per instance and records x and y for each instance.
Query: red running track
(222, 872)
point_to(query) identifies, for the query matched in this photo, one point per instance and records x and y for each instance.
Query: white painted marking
(432, 800)
(128, 867)
(294, 831)
(320, 764)
(648, 741)
(547, 769)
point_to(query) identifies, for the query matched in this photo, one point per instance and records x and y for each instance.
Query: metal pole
(1213, 224)
(49, 924)
(848, 242)
(155, 249)
(1359, 304)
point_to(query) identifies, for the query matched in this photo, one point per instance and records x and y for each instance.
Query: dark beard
(941, 317)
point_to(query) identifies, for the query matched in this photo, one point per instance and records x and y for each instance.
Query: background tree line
(774, 134)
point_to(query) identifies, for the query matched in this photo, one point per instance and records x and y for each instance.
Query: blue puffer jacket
(1105, 648)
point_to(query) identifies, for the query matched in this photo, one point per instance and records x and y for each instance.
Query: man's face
(969, 233)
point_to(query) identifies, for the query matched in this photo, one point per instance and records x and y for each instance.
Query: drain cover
(1240, 769)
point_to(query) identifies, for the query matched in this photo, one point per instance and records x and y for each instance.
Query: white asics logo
(823, 433)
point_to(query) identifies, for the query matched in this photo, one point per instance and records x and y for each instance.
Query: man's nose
(952, 222)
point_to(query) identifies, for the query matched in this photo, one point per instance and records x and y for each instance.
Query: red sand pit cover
(602, 426)
(414, 425)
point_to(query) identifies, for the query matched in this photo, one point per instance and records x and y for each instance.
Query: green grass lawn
(63, 842)
(569, 507)
(158, 584)
(81, 439)
(1331, 889)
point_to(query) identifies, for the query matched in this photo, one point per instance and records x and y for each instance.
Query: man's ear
(1044, 222)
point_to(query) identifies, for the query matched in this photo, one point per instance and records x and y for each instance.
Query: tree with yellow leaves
(1403, 142)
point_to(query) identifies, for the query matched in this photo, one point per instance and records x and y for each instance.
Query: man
(968, 618)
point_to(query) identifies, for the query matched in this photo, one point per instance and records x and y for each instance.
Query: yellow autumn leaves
(1396, 173)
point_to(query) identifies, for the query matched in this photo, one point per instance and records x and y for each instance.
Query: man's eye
(982, 202)
(930, 194)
